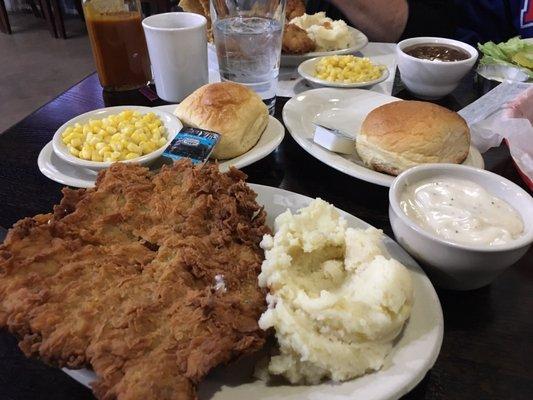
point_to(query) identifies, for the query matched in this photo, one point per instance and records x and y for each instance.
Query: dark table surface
(488, 338)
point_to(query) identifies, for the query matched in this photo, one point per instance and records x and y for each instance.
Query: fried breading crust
(296, 41)
(293, 9)
(121, 278)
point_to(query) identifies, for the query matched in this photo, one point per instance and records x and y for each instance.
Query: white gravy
(461, 211)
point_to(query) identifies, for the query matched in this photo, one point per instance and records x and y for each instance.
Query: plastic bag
(506, 112)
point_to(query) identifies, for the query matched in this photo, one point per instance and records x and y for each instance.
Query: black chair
(45, 12)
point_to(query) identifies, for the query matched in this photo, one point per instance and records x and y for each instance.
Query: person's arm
(380, 20)
(391, 20)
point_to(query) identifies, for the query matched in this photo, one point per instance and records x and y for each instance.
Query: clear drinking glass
(248, 41)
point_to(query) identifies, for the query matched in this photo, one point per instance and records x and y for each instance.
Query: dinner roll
(235, 112)
(400, 135)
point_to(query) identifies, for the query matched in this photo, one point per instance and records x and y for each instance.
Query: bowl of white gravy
(465, 225)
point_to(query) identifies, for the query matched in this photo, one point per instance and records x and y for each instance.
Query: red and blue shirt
(496, 20)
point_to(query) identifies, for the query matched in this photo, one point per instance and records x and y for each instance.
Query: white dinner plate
(358, 42)
(307, 71)
(414, 353)
(268, 142)
(503, 73)
(344, 109)
(60, 171)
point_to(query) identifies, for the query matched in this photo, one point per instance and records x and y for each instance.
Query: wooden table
(488, 339)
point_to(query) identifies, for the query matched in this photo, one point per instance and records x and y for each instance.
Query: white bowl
(171, 122)
(457, 266)
(307, 70)
(429, 79)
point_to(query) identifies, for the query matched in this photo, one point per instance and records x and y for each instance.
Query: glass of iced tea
(118, 43)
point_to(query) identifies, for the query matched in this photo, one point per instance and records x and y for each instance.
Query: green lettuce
(515, 52)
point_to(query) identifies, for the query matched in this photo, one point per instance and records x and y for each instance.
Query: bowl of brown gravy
(431, 67)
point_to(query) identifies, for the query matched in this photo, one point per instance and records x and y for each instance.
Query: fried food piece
(296, 41)
(125, 278)
(199, 7)
(294, 8)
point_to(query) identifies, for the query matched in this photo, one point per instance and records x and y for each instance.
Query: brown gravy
(436, 52)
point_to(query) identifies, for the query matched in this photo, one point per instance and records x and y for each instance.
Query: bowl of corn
(343, 71)
(130, 134)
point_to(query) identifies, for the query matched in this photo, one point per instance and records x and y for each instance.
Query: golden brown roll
(235, 112)
(400, 135)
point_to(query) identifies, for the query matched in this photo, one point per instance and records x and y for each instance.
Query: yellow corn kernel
(127, 130)
(156, 135)
(67, 131)
(96, 157)
(75, 152)
(132, 147)
(131, 156)
(85, 153)
(117, 146)
(136, 136)
(99, 146)
(147, 147)
(104, 150)
(95, 123)
(93, 140)
(76, 142)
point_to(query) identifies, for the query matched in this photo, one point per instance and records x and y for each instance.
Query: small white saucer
(60, 171)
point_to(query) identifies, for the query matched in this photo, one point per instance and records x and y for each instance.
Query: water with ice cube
(248, 50)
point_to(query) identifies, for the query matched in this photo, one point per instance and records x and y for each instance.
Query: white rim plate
(359, 41)
(268, 142)
(492, 74)
(62, 172)
(307, 68)
(412, 356)
(344, 109)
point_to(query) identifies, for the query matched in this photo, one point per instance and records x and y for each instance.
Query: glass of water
(248, 41)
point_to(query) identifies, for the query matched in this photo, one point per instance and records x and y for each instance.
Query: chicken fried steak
(122, 278)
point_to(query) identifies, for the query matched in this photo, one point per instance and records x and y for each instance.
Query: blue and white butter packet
(194, 143)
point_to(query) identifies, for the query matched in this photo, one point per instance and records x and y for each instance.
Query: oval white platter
(62, 172)
(343, 109)
(414, 353)
(358, 42)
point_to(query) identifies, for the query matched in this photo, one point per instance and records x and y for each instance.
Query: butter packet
(194, 143)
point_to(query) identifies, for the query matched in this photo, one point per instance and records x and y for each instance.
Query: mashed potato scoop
(337, 300)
